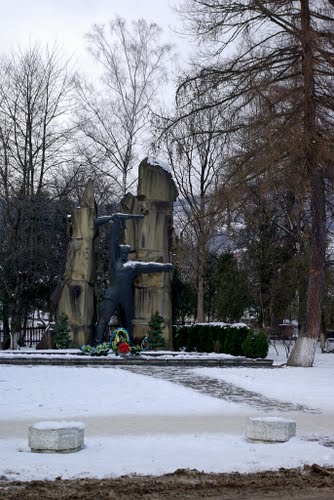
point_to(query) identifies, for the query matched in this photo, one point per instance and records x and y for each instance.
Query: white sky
(66, 21)
(166, 426)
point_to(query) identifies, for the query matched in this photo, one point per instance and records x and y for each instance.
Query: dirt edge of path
(308, 482)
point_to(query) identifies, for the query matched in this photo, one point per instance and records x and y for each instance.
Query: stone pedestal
(151, 241)
(56, 437)
(270, 429)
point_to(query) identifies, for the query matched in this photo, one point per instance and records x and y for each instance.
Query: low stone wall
(80, 360)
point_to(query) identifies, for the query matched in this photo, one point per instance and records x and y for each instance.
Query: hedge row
(238, 341)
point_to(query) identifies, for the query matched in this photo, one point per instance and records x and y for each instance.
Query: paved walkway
(316, 426)
(217, 388)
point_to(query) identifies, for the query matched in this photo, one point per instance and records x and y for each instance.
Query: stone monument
(149, 230)
(151, 240)
(76, 292)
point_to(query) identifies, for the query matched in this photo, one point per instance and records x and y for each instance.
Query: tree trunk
(200, 317)
(5, 322)
(15, 326)
(200, 299)
(304, 349)
(323, 333)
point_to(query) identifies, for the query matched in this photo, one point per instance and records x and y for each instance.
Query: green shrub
(180, 340)
(62, 332)
(155, 338)
(255, 345)
(207, 337)
(234, 339)
(218, 337)
(196, 337)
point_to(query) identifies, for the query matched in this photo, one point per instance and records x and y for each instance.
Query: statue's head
(124, 252)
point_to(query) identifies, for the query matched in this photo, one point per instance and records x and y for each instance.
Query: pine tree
(62, 332)
(155, 339)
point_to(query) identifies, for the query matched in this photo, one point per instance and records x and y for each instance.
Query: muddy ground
(308, 483)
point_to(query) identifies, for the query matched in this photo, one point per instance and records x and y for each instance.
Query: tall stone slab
(151, 241)
(77, 291)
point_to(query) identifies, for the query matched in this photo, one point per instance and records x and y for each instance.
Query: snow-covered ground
(139, 424)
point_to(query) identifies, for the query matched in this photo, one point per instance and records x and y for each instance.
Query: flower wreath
(119, 341)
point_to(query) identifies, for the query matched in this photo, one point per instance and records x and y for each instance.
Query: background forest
(248, 133)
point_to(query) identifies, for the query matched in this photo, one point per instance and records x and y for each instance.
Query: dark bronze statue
(121, 275)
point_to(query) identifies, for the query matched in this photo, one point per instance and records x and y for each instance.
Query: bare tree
(35, 106)
(280, 52)
(116, 117)
(35, 149)
(196, 153)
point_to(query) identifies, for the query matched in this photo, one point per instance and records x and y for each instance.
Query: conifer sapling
(155, 339)
(62, 332)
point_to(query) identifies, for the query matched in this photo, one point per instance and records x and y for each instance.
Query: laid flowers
(123, 348)
(119, 344)
(99, 350)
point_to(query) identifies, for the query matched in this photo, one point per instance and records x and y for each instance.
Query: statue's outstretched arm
(103, 219)
(149, 267)
(120, 216)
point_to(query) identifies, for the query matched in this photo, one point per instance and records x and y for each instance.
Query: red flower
(123, 348)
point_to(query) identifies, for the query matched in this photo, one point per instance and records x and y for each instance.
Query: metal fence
(30, 336)
(33, 335)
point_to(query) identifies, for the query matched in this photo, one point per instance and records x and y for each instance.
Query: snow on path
(105, 457)
(46, 392)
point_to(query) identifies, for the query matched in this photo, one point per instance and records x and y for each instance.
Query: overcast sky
(66, 21)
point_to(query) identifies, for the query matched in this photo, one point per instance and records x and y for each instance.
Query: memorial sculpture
(121, 276)
(137, 288)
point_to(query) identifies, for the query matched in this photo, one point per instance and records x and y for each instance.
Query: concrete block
(56, 437)
(271, 429)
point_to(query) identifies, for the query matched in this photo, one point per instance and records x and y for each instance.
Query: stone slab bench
(270, 429)
(56, 437)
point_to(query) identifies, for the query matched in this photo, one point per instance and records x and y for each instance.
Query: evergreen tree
(183, 297)
(62, 332)
(232, 291)
(155, 339)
